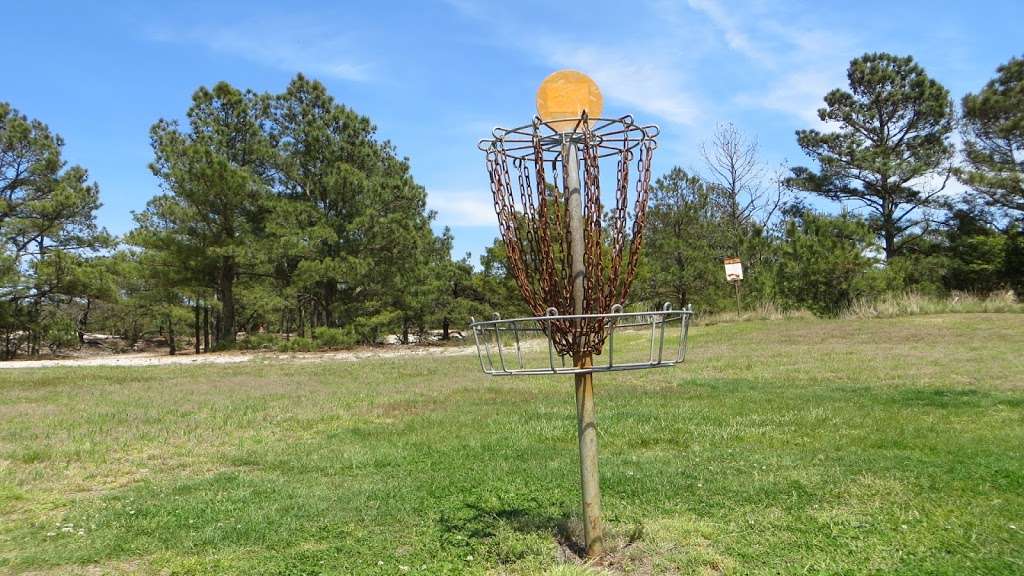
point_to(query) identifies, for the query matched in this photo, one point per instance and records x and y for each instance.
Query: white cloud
(799, 93)
(463, 208)
(802, 60)
(291, 45)
(735, 36)
(649, 76)
(651, 85)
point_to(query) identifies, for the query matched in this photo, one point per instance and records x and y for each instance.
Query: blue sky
(436, 76)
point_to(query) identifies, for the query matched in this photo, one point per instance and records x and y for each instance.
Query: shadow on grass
(493, 526)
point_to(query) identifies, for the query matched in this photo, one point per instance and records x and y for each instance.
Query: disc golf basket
(573, 262)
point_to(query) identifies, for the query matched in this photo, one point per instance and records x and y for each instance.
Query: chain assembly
(533, 218)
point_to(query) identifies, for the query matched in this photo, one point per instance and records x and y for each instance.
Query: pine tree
(993, 130)
(48, 228)
(890, 139)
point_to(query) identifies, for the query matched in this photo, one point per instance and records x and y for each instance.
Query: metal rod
(551, 348)
(588, 370)
(476, 338)
(580, 316)
(653, 324)
(686, 330)
(661, 337)
(519, 347)
(611, 335)
(497, 340)
(487, 350)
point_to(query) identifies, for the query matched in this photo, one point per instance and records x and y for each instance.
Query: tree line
(286, 214)
(277, 213)
(887, 158)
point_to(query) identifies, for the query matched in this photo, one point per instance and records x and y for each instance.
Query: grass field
(800, 446)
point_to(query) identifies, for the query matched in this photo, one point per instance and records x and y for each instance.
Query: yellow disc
(567, 94)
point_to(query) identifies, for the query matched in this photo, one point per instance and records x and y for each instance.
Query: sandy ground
(154, 359)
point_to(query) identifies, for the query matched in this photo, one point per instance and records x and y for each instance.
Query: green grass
(801, 446)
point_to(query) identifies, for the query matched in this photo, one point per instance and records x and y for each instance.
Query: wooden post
(739, 307)
(593, 531)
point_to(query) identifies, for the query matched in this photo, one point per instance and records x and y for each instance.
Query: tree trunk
(889, 236)
(226, 293)
(196, 326)
(889, 228)
(206, 328)
(445, 325)
(33, 332)
(83, 321)
(170, 336)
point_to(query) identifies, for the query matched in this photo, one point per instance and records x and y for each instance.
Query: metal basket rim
(630, 135)
(497, 325)
(549, 317)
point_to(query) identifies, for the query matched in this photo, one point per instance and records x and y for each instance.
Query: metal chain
(537, 237)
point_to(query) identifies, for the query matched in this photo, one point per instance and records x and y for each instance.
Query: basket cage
(527, 345)
(529, 170)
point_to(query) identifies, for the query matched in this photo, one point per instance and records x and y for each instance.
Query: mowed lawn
(789, 447)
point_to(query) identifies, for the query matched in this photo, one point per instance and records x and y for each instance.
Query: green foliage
(1013, 259)
(823, 262)
(260, 341)
(684, 244)
(924, 273)
(497, 289)
(372, 329)
(288, 210)
(48, 232)
(691, 225)
(891, 133)
(976, 255)
(201, 230)
(335, 337)
(993, 130)
(297, 344)
(61, 333)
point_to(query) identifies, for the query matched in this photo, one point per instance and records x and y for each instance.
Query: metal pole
(593, 531)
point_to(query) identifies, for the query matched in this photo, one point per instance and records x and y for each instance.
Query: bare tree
(735, 167)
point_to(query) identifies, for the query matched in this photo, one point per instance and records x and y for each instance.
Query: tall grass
(890, 305)
(765, 310)
(912, 304)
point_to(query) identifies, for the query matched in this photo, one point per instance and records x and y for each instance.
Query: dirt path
(152, 359)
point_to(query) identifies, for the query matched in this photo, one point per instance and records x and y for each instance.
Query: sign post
(734, 275)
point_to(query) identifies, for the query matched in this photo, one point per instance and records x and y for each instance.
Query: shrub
(823, 262)
(372, 328)
(298, 344)
(61, 333)
(334, 337)
(259, 342)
